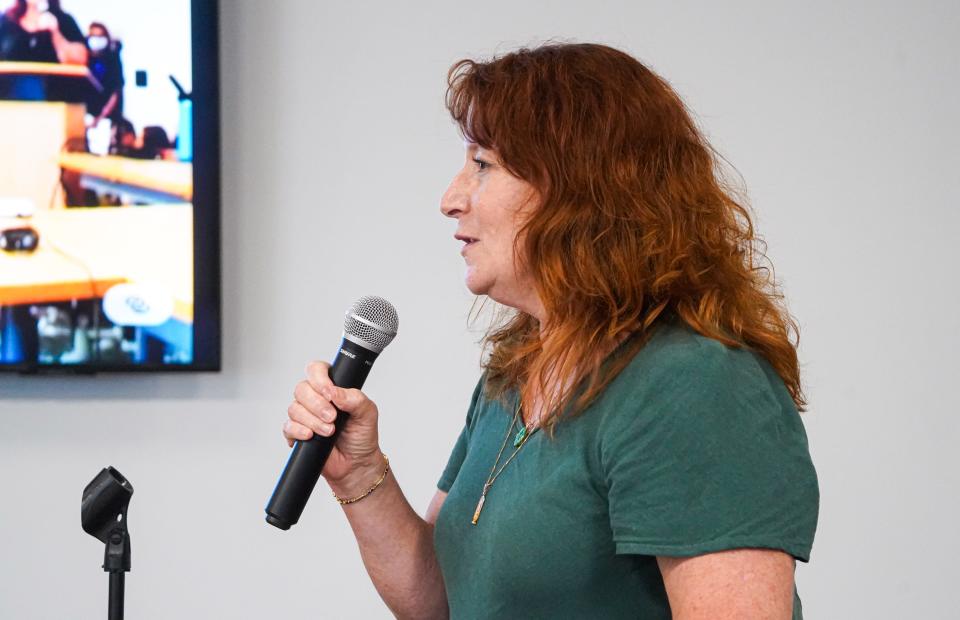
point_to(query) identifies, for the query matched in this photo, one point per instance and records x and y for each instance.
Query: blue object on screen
(185, 131)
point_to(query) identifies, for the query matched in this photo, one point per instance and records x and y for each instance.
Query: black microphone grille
(371, 322)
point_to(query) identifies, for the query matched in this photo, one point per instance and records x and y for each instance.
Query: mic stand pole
(116, 561)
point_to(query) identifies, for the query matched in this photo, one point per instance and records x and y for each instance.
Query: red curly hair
(635, 224)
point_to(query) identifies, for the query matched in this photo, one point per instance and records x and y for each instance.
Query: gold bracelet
(368, 491)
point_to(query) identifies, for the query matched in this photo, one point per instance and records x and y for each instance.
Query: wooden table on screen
(83, 252)
(148, 180)
(49, 69)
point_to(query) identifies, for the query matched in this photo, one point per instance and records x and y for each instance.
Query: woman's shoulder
(686, 373)
(677, 349)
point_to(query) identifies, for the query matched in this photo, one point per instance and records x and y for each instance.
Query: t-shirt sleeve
(459, 452)
(712, 456)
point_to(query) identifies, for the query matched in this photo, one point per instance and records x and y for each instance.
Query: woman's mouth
(467, 241)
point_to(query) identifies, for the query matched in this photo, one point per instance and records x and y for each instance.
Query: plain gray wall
(841, 117)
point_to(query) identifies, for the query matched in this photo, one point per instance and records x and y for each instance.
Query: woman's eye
(482, 164)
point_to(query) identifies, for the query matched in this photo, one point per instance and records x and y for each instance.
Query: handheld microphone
(370, 325)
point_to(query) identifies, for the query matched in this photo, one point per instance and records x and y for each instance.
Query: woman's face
(490, 205)
(97, 39)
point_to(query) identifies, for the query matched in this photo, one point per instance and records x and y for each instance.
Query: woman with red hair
(634, 447)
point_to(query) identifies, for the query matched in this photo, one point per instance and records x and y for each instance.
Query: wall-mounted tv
(109, 185)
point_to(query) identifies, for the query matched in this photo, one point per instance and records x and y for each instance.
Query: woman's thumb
(351, 401)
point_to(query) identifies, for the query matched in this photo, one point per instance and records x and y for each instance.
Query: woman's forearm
(69, 52)
(396, 546)
(108, 106)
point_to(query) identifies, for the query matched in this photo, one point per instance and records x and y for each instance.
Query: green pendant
(520, 437)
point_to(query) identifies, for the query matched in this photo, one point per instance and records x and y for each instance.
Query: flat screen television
(109, 185)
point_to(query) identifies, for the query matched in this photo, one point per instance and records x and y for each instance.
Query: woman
(40, 31)
(105, 65)
(634, 447)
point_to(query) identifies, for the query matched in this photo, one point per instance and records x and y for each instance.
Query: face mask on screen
(97, 43)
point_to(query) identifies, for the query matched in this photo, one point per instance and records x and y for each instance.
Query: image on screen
(96, 183)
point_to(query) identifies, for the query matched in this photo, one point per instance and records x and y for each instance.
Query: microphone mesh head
(371, 322)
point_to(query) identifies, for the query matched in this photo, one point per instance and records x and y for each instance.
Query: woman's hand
(396, 545)
(355, 461)
(68, 52)
(49, 22)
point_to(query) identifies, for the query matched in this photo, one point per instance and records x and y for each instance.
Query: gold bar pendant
(476, 514)
(483, 498)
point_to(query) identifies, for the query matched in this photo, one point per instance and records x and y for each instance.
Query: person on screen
(154, 143)
(633, 448)
(105, 65)
(123, 140)
(41, 31)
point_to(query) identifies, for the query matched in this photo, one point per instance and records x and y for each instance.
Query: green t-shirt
(693, 448)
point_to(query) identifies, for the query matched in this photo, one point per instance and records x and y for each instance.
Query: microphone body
(349, 370)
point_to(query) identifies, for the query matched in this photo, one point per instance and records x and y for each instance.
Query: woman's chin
(475, 284)
(476, 290)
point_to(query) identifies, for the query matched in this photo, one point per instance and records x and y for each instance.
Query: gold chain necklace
(518, 441)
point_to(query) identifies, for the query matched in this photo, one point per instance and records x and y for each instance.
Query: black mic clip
(103, 515)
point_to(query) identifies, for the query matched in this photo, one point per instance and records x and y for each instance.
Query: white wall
(840, 116)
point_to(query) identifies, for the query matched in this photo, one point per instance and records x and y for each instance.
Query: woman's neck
(532, 419)
(30, 18)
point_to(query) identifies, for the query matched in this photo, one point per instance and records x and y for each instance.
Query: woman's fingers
(294, 431)
(314, 411)
(311, 413)
(318, 390)
(314, 402)
(317, 424)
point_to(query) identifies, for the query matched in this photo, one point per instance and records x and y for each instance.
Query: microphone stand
(103, 514)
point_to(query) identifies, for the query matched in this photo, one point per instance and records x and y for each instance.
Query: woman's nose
(454, 200)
